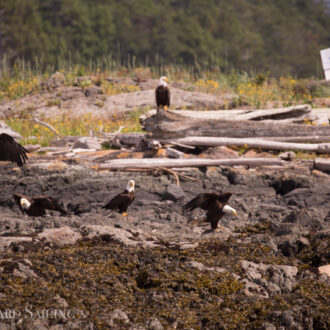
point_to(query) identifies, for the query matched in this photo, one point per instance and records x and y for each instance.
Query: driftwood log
(166, 125)
(202, 141)
(200, 162)
(322, 164)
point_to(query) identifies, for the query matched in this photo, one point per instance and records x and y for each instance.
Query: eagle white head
(163, 81)
(25, 203)
(229, 210)
(130, 186)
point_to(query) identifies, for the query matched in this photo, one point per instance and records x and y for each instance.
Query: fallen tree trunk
(298, 139)
(166, 125)
(254, 143)
(165, 162)
(322, 164)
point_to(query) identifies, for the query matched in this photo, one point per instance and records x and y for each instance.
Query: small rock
(289, 155)
(154, 324)
(324, 270)
(87, 142)
(61, 302)
(173, 153)
(117, 317)
(197, 265)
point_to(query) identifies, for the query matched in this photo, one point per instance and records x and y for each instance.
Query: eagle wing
(120, 201)
(163, 96)
(12, 151)
(224, 198)
(204, 201)
(46, 203)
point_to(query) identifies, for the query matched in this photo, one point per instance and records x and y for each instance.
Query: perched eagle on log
(36, 206)
(12, 151)
(162, 94)
(122, 201)
(214, 204)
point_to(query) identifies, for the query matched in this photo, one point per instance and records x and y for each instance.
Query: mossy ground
(96, 277)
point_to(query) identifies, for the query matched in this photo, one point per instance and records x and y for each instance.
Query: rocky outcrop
(265, 280)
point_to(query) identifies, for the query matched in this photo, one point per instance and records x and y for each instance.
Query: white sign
(325, 57)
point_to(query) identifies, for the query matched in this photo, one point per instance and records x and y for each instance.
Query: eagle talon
(165, 108)
(219, 228)
(124, 214)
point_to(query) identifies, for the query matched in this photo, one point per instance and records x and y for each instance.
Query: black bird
(12, 151)
(162, 94)
(214, 204)
(122, 201)
(36, 206)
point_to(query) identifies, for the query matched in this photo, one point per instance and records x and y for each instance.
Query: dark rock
(284, 185)
(93, 90)
(173, 193)
(19, 268)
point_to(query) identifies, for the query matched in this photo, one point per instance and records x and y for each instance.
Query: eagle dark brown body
(38, 205)
(162, 94)
(122, 201)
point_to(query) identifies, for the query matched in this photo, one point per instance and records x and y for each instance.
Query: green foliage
(282, 37)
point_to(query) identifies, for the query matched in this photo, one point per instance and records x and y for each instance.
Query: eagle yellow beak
(166, 80)
(235, 213)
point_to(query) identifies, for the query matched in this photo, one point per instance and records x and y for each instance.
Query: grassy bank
(252, 90)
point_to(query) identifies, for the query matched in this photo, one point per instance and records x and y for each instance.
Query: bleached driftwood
(254, 143)
(50, 127)
(280, 113)
(322, 164)
(166, 162)
(168, 125)
(298, 139)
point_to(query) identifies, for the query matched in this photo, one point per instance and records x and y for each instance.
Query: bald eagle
(36, 206)
(122, 201)
(162, 94)
(214, 204)
(12, 151)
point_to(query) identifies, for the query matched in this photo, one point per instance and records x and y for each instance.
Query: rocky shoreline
(153, 269)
